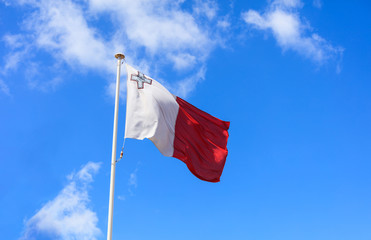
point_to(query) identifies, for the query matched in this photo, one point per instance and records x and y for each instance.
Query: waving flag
(177, 128)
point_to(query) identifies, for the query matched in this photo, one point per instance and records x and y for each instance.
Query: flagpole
(119, 57)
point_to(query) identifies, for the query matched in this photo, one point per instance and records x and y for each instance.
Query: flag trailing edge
(177, 128)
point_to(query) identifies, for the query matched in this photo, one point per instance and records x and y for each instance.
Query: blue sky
(292, 77)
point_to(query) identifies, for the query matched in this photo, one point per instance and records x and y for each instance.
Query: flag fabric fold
(177, 128)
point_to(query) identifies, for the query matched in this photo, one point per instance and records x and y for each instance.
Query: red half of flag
(200, 141)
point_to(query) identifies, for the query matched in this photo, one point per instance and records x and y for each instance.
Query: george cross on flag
(177, 128)
(140, 79)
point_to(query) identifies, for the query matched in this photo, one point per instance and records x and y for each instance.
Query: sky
(291, 76)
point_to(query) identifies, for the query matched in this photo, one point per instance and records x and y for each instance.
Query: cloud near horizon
(67, 216)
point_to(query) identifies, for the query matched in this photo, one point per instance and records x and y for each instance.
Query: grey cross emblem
(140, 79)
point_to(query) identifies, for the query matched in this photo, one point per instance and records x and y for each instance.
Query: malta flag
(177, 128)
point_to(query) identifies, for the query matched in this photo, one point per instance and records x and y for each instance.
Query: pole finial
(119, 56)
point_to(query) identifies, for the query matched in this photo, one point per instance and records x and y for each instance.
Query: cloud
(133, 181)
(14, 41)
(67, 216)
(160, 26)
(120, 197)
(18, 50)
(61, 29)
(4, 88)
(187, 85)
(224, 23)
(155, 33)
(207, 8)
(46, 86)
(182, 61)
(286, 3)
(283, 20)
(317, 3)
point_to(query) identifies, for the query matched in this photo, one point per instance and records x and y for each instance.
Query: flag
(177, 128)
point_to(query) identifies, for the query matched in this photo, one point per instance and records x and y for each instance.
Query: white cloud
(12, 61)
(317, 3)
(160, 26)
(286, 3)
(223, 23)
(4, 88)
(85, 174)
(182, 61)
(61, 29)
(45, 86)
(13, 41)
(207, 8)
(122, 198)
(19, 50)
(67, 216)
(187, 85)
(154, 33)
(133, 180)
(283, 20)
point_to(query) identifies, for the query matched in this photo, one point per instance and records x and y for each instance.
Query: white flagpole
(119, 57)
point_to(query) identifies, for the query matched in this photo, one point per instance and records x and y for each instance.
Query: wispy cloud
(282, 19)
(60, 28)
(68, 215)
(132, 185)
(317, 3)
(224, 23)
(162, 27)
(188, 84)
(121, 197)
(19, 49)
(4, 88)
(133, 181)
(154, 28)
(207, 8)
(66, 30)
